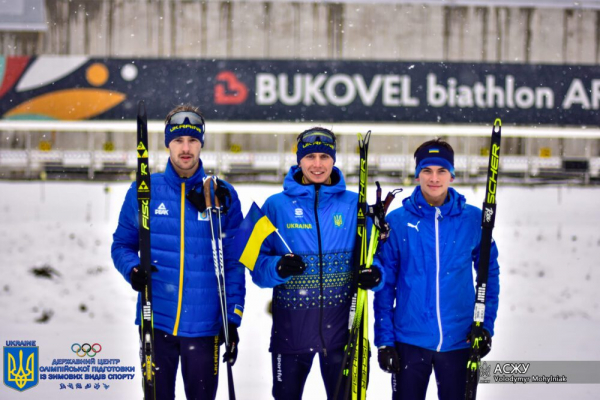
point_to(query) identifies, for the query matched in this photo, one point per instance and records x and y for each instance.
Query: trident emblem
(19, 375)
(337, 220)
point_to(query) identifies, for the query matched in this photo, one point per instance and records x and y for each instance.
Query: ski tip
(365, 138)
(497, 127)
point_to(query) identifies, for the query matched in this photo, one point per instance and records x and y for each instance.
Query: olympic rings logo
(86, 349)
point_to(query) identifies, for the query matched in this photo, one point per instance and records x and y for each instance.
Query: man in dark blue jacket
(311, 287)
(185, 298)
(428, 270)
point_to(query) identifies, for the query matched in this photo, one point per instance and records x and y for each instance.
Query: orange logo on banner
(229, 90)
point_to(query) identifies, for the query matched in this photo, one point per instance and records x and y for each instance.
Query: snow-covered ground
(549, 241)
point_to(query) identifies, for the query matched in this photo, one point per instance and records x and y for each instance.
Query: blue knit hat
(434, 155)
(185, 123)
(316, 140)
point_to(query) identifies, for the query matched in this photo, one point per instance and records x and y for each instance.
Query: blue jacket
(310, 311)
(434, 298)
(184, 290)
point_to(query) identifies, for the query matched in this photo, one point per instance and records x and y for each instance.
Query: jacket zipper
(438, 214)
(320, 270)
(181, 260)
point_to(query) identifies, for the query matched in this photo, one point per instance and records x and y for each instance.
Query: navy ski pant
(199, 365)
(290, 372)
(416, 364)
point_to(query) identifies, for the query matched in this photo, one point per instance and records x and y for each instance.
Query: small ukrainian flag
(253, 231)
(434, 151)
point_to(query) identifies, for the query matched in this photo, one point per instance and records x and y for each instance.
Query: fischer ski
(214, 210)
(354, 374)
(487, 225)
(143, 197)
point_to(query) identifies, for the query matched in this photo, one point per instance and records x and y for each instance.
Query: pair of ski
(213, 210)
(352, 381)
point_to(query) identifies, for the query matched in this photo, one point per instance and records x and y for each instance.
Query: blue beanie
(434, 155)
(185, 129)
(318, 145)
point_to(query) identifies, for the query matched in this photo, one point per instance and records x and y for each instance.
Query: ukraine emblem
(338, 220)
(21, 367)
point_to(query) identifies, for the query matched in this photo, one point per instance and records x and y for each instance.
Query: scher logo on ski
(492, 183)
(161, 210)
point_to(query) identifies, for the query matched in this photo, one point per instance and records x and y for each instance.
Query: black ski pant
(290, 372)
(199, 365)
(416, 364)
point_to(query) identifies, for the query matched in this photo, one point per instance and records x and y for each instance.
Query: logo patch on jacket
(203, 216)
(338, 220)
(239, 310)
(298, 212)
(161, 210)
(414, 226)
(298, 226)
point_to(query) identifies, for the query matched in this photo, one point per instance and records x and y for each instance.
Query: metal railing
(83, 160)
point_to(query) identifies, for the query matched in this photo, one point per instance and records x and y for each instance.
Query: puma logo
(413, 226)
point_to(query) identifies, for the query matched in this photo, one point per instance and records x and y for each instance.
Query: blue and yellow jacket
(310, 311)
(184, 290)
(428, 262)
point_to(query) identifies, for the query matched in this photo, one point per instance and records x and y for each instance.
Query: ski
(143, 197)
(487, 225)
(354, 373)
(214, 211)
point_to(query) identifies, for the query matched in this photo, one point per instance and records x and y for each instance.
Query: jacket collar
(417, 204)
(292, 188)
(175, 181)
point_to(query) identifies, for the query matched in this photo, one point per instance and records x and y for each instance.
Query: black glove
(377, 212)
(197, 199)
(484, 342)
(290, 264)
(138, 278)
(231, 352)
(388, 359)
(368, 278)
(223, 195)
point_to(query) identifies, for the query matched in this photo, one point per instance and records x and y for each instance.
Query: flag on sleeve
(252, 232)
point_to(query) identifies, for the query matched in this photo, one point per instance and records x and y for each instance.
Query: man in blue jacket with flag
(424, 312)
(185, 299)
(311, 287)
